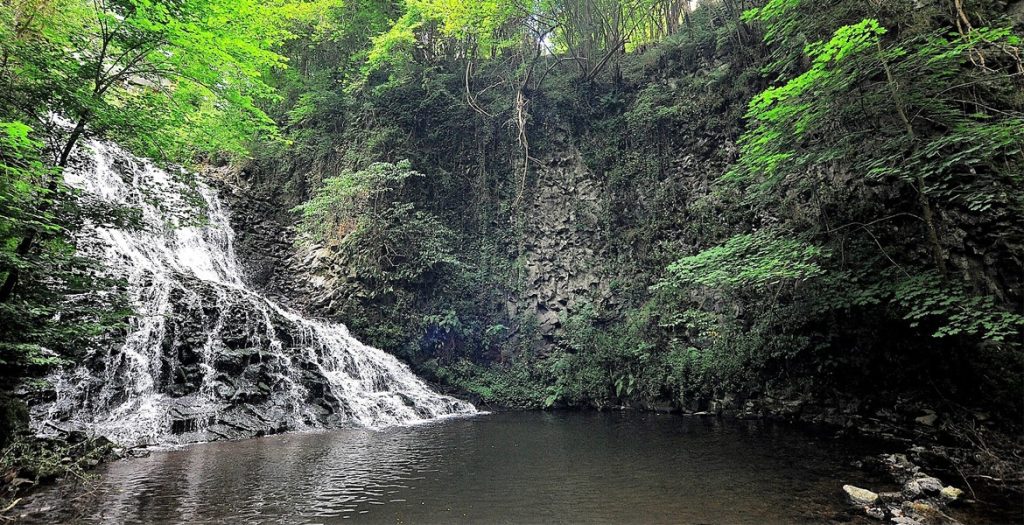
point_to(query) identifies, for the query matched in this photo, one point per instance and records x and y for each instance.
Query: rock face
(563, 252)
(564, 246)
(205, 356)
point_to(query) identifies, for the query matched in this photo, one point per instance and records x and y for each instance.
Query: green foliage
(896, 114)
(750, 260)
(31, 205)
(929, 299)
(783, 116)
(513, 385)
(388, 239)
(170, 81)
(601, 365)
(393, 48)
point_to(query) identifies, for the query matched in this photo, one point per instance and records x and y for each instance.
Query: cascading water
(205, 356)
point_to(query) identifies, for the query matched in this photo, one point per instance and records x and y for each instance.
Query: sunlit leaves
(749, 260)
(780, 117)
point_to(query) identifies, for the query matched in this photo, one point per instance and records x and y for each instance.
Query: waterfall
(206, 356)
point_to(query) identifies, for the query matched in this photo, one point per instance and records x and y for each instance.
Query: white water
(123, 392)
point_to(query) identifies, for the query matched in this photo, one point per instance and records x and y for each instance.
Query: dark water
(514, 467)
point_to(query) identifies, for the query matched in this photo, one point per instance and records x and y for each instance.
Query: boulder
(921, 511)
(859, 496)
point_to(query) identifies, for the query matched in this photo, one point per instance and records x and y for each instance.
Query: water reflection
(502, 468)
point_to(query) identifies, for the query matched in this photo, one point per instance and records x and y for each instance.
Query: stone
(920, 510)
(904, 520)
(859, 496)
(875, 512)
(911, 490)
(927, 419)
(951, 494)
(225, 391)
(929, 485)
(891, 497)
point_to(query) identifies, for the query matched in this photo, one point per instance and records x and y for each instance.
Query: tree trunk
(927, 213)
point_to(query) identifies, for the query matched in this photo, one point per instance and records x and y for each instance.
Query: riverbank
(33, 462)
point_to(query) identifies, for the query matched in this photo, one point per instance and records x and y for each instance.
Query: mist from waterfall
(205, 355)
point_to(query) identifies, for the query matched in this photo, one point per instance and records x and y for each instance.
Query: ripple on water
(509, 467)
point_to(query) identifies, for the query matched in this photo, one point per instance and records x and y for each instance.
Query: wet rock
(859, 496)
(661, 408)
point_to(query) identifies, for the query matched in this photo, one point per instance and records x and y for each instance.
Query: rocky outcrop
(265, 237)
(563, 245)
(225, 371)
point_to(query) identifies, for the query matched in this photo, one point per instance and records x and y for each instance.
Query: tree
(140, 70)
(918, 115)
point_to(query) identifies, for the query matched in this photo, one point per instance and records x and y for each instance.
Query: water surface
(513, 467)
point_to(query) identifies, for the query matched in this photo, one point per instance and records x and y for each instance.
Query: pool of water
(511, 467)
